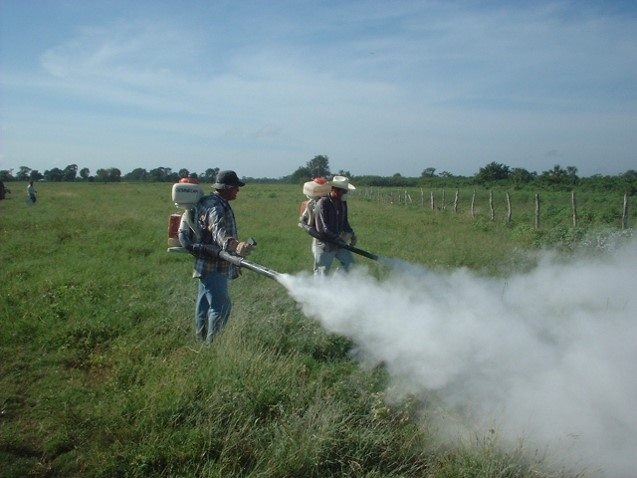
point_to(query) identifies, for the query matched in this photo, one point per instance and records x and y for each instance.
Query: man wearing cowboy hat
(216, 220)
(332, 226)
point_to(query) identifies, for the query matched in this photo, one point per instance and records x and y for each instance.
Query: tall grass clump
(101, 375)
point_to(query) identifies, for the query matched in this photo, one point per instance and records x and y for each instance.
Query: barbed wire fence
(437, 200)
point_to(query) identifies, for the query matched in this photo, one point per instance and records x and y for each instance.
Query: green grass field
(100, 374)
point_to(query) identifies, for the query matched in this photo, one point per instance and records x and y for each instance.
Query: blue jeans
(324, 255)
(213, 305)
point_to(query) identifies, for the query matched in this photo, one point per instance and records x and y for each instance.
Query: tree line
(72, 173)
(491, 175)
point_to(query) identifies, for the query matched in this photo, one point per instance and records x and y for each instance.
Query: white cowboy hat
(341, 182)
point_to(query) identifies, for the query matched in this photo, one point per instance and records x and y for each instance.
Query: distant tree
(85, 173)
(428, 172)
(114, 175)
(492, 172)
(628, 182)
(183, 173)
(209, 176)
(301, 175)
(342, 172)
(70, 172)
(55, 174)
(6, 175)
(23, 174)
(160, 174)
(137, 174)
(319, 166)
(108, 175)
(521, 176)
(558, 176)
(35, 175)
(101, 175)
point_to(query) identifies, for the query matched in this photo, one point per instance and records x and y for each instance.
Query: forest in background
(492, 174)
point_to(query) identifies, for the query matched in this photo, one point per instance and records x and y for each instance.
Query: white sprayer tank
(185, 195)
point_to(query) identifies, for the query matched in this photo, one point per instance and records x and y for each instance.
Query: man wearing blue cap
(216, 221)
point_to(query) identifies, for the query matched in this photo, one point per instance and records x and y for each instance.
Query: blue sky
(380, 87)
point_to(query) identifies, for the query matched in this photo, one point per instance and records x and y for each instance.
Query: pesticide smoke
(545, 356)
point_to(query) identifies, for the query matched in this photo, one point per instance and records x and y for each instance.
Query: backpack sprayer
(186, 194)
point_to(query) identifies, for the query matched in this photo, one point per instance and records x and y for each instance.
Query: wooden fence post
(509, 212)
(404, 195)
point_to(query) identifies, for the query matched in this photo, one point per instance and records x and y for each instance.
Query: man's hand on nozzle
(346, 237)
(245, 247)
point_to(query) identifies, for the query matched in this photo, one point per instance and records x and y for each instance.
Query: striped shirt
(215, 218)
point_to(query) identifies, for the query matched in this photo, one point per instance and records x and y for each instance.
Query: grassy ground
(100, 374)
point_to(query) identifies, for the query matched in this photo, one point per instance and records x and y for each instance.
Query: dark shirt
(331, 219)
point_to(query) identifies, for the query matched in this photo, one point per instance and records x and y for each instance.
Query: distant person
(332, 226)
(215, 220)
(3, 191)
(31, 193)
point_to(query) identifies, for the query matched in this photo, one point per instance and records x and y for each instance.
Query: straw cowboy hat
(341, 182)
